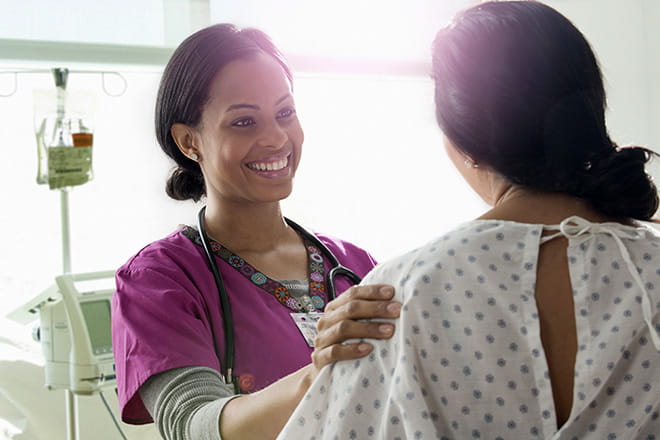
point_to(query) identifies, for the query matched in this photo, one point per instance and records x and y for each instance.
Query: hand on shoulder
(344, 320)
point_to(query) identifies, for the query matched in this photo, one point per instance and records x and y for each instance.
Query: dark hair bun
(184, 184)
(619, 185)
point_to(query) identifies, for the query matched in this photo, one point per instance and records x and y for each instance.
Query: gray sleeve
(186, 402)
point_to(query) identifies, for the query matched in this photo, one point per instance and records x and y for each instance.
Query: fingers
(360, 302)
(341, 322)
(360, 309)
(372, 292)
(339, 352)
(347, 329)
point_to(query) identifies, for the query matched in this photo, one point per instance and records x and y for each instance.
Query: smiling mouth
(269, 166)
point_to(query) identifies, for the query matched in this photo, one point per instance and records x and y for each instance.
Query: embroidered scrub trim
(316, 300)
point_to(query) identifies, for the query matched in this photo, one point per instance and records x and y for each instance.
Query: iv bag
(64, 135)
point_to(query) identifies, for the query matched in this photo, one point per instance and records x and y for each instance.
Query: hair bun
(184, 184)
(616, 183)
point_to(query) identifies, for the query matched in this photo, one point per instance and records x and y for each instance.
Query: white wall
(373, 171)
(625, 37)
(650, 10)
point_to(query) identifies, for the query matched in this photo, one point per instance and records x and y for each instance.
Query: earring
(469, 163)
(194, 157)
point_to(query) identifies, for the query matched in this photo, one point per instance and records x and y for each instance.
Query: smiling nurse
(226, 115)
(250, 134)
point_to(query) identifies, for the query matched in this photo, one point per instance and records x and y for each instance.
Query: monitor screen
(97, 318)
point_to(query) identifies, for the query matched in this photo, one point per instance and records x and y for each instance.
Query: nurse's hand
(341, 322)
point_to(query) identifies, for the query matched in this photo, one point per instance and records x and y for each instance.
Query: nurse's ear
(186, 139)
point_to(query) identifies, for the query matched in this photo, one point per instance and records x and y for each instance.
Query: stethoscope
(227, 368)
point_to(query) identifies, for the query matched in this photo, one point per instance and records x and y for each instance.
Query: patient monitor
(74, 331)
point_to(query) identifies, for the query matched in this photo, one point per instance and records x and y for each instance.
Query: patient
(540, 318)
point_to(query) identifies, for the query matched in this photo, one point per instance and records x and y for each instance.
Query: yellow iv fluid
(64, 144)
(63, 161)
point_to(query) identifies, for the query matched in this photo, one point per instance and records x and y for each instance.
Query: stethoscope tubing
(227, 317)
(227, 367)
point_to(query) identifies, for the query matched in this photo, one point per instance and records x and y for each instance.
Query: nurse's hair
(519, 89)
(184, 90)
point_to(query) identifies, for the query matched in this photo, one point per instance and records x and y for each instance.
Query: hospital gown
(466, 360)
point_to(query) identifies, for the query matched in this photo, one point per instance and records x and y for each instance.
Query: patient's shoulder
(470, 248)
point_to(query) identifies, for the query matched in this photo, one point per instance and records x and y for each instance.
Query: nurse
(225, 114)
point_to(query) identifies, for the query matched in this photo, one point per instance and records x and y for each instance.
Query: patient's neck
(528, 206)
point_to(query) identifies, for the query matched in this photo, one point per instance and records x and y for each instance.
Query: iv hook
(15, 85)
(105, 89)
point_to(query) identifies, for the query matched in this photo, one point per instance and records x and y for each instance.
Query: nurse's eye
(286, 113)
(243, 122)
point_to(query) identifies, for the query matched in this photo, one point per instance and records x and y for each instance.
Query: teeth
(271, 166)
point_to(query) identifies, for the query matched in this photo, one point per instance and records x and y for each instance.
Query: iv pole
(69, 397)
(61, 76)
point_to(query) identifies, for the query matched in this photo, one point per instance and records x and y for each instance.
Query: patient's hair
(184, 91)
(518, 89)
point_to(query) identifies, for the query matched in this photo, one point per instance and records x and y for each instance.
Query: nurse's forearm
(262, 415)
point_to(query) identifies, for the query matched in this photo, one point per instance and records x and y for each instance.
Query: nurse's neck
(241, 227)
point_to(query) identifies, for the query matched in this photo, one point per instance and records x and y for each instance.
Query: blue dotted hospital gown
(466, 360)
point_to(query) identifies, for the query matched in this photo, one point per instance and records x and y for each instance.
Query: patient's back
(469, 358)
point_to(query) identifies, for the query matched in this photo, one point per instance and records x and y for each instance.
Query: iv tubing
(66, 239)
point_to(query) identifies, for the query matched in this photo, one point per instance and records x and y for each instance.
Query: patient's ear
(186, 139)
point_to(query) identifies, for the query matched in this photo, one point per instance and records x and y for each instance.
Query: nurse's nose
(273, 135)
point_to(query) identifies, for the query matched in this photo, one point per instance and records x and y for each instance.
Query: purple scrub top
(166, 311)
